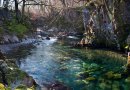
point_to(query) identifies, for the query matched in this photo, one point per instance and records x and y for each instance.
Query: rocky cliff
(107, 22)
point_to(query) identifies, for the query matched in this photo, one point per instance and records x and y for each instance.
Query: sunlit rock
(2, 87)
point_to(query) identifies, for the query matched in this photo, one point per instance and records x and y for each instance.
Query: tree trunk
(16, 10)
(23, 9)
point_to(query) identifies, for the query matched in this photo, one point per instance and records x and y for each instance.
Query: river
(51, 61)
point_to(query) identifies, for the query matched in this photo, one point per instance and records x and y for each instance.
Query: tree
(16, 10)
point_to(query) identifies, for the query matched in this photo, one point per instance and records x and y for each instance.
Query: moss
(8, 88)
(109, 75)
(14, 27)
(13, 74)
(90, 79)
(19, 29)
(1, 30)
(117, 76)
(127, 80)
(21, 87)
(2, 87)
(102, 86)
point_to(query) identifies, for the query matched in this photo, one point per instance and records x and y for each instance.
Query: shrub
(16, 28)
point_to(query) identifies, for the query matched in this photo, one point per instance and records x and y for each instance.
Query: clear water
(50, 62)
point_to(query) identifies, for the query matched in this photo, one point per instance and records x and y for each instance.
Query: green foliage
(15, 27)
(1, 30)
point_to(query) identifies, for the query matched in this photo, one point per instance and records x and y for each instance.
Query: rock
(82, 75)
(90, 79)
(29, 81)
(21, 87)
(31, 88)
(109, 75)
(79, 82)
(47, 38)
(13, 39)
(63, 68)
(116, 85)
(93, 66)
(127, 80)
(117, 76)
(85, 82)
(2, 55)
(102, 85)
(59, 86)
(1, 61)
(85, 65)
(2, 87)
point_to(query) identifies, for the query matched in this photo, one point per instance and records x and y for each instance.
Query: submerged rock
(79, 82)
(102, 86)
(93, 66)
(117, 76)
(90, 79)
(47, 38)
(127, 80)
(82, 75)
(63, 68)
(109, 75)
(59, 86)
(116, 85)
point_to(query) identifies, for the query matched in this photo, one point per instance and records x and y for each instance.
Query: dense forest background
(104, 23)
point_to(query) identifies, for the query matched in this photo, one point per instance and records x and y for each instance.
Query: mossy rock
(79, 82)
(85, 82)
(127, 80)
(109, 75)
(90, 79)
(2, 87)
(31, 88)
(116, 85)
(102, 86)
(82, 74)
(21, 87)
(94, 66)
(63, 68)
(117, 76)
(8, 88)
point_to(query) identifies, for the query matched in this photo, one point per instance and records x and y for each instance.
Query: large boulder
(29, 81)
(10, 39)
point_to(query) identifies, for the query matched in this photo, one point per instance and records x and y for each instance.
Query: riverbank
(11, 76)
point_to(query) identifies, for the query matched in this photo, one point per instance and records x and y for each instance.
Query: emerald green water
(80, 69)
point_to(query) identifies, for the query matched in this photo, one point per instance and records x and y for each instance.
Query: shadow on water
(80, 69)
